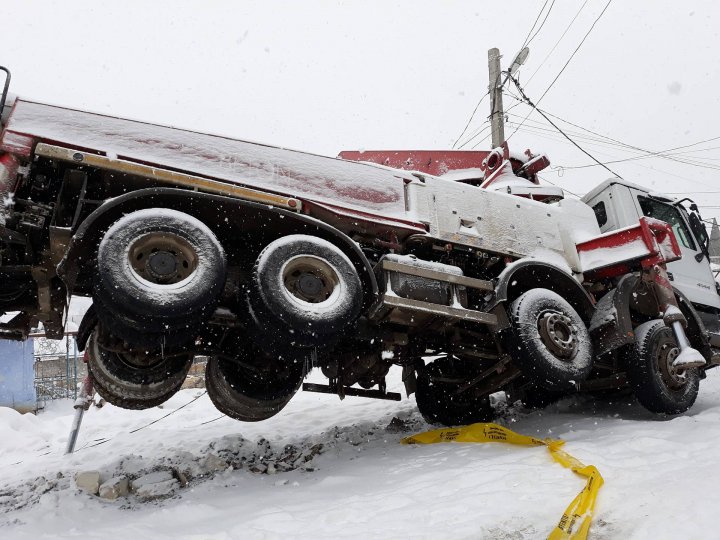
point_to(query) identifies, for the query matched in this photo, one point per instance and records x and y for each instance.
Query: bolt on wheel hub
(674, 377)
(559, 334)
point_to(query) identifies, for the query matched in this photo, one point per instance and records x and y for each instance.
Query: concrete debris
(157, 489)
(118, 486)
(88, 481)
(155, 485)
(213, 463)
(152, 478)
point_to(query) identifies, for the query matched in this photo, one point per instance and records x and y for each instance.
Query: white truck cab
(619, 204)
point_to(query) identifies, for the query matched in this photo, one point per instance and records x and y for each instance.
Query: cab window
(668, 214)
(600, 213)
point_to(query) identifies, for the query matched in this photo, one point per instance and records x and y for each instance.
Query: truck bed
(366, 188)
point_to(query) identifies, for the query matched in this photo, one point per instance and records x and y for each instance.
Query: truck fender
(79, 257)
(611, 326)
(526, 274)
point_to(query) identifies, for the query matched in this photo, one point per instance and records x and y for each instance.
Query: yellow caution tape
(575, 522)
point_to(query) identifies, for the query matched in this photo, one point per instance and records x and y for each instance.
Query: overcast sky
(324, 76)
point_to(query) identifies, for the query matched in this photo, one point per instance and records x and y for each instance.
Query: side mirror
(700, 234)
(6, 87)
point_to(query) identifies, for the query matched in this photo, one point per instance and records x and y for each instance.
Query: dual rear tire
(159, 274)
(303, 290)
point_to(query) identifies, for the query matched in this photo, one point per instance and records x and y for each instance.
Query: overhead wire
(568, 61)
(527, 38)
(471, 118)
(547, 14)
(547, 56)
(667, 153)
(146, 425)
(530, 36)
(529, 102)
(637, 147)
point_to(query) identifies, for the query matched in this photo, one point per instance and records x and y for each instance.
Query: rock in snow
(114, 488)
(88, 481)
(154, 485)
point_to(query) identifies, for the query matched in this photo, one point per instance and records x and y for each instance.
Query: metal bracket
(349, 391)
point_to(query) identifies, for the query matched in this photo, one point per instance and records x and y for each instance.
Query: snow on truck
(272, 262)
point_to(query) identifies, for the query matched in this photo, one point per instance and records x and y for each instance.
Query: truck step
(349, 391)
(450, 312)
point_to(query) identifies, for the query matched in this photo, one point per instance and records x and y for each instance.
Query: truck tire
(158, 270)
(127, 330)
(535, 397)
(436, 399)
(549, 341)
(247, 388)
(304, 289)
(658, 387)
(134, 381)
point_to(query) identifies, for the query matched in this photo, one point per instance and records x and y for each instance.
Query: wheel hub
(310, 279)
(309, 284)
(162, 265)
(163, 258)
(674, 378)
(558, 334)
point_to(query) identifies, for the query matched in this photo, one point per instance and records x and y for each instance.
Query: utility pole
(497, 120)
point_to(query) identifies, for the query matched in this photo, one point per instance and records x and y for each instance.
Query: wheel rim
(672, 377)
(558, 334)
(311, 279)
(162, 258)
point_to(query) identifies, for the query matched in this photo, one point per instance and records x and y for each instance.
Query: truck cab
(618, 204)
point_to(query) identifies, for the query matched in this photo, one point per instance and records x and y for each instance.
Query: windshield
(669, 214)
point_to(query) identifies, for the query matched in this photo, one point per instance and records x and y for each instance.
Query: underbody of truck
(272, 262)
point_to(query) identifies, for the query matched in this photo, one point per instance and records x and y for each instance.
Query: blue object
(17, 375)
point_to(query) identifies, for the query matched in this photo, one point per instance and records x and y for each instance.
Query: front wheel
(660, 387)
(549, 341)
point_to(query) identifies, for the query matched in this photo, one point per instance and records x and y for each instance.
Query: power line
(554, 184)
(470, 119)
(525, 41)
(566, 63)
(529, 102)
(478, 132)
(557, 42)
(541, 25)
(576, 50)
(645, 151)
(146, 425)
(542, 63)
(669, 153)
(621, 142)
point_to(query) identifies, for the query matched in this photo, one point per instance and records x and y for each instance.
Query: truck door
(691, 274)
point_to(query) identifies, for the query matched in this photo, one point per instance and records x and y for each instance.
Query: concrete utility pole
(497, 120)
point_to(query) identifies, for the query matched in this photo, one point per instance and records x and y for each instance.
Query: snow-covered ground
(326, 469)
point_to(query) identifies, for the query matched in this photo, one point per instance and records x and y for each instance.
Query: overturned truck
(458, 266)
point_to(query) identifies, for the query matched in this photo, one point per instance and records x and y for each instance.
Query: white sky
(324, 76)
